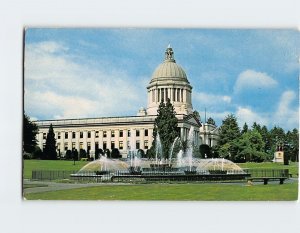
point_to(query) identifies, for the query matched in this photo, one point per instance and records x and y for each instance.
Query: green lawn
(293, 167)
(57, 165)
(201, 192)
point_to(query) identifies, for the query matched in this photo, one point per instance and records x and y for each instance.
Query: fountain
(182, 167)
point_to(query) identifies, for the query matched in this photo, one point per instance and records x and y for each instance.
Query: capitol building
(168, 80)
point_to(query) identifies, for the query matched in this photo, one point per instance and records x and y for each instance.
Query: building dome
(169, 69)
(169, 81)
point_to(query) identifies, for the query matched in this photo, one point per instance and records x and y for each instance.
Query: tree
(30, 131)
(50, 148)
(205, 151)
(82, 153)
(229, 132)
(245, 128)
(251, 147)
(166, 124)
(69, 155)
(115, 153)
(277, 136)
(256, 126)
(211, 121)
(291, 145)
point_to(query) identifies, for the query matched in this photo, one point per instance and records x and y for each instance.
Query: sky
(98, 72)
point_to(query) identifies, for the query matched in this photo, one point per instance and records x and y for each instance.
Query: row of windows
(112, 145)
(121, 134)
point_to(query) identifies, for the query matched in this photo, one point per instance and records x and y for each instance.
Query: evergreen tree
(30, 131)
(229, 130)
(266, 138)
(277, 136)
(245, 128)
(256, 127)
(291, 148)
(211, 121)
(251, 147)
(166, 124)
(50, 148)
(229, 133)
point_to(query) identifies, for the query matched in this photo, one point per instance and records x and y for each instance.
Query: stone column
(100, 140)
(117, 139)
(85, 140)
(109, 140)
(77, 140)
(62, 137)
(125, 133)
(92, 151)
(142, 132)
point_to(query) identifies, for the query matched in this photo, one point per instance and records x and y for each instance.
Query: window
(81, 136)
(66, 135)
(128, 145)
(96, 146)
(97, 134)
(89, 134)
(137, 133)
(121, 145)
(104, 134)
(73, 145)
(44, 135)
(128, 133)
(66, 146)
(104, 145)
(58, 135)
(112, 133)
(112, 145)
(137, 145)
(88, 146)
(146, 144)
(73, 135)
(81, 145)
(121, 133)
(146, 132)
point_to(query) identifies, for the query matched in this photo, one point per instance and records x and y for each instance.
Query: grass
(293, 166)
(57, 165)
(188, 192)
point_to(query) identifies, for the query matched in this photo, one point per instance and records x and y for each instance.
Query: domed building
(168, 81)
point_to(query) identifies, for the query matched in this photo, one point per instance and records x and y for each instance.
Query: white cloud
(246, 114)
(211, 100)
(57, 86)
(253, 79)
(286, 116)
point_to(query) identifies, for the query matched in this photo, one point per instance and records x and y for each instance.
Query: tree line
(254, 144)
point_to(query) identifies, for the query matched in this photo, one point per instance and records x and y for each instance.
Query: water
(158, 149)
(172, 148)
(104, 164)
(190, 145)
(179, 158)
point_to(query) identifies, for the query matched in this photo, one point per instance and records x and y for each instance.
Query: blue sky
(72, 73)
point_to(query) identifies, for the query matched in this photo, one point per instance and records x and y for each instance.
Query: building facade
(169, 81)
